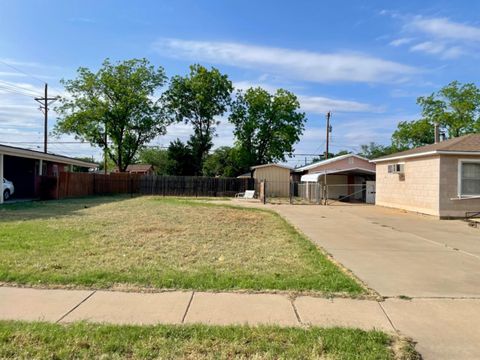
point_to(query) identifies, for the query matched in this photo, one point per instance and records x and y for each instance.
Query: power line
(21, 71)
(15, 91)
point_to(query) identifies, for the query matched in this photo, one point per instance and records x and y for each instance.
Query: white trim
(405, 156)
(328, 161)
(427, 153)
(459, 178)
(32, 154)
(330, 172)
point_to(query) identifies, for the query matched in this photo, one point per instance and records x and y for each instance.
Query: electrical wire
(21, 71)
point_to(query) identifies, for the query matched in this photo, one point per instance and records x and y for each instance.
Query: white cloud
(438, 36)
(293, 64)
(315, 104)
(400, 41)
(444, 28)
(320, 105)
(429, 47)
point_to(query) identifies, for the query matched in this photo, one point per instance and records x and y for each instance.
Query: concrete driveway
(436, 263)
(394, 252)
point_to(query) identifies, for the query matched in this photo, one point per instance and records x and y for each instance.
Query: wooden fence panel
(84, 184)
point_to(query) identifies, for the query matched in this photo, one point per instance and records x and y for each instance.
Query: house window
(469, 178)
(396, 168)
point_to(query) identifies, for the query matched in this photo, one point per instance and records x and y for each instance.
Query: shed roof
(328, 161)
(267, 165)
(463, 145)
(33, 154)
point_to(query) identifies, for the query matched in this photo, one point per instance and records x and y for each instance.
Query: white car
(8, 189)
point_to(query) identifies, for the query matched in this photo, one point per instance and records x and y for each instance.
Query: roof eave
(426, 153)
(11, 151)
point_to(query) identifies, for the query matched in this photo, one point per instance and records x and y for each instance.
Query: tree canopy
(155, 156)
(197, 99)
(266, 126)
(222, 162)
(119, 100)
(455, 108)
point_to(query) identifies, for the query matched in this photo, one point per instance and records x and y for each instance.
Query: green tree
(222, 162)
(374, 150)
(455, 107)
(155, 156)
(411, 134)
(197, 99)
(266, 126)
(89, 159)
(117, 99)
(180, 159)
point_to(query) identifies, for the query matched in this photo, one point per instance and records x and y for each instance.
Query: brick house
(441, 179)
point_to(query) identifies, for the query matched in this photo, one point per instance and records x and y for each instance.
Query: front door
(370, 197)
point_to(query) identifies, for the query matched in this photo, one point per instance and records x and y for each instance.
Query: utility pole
(329, 130)
(45, 101)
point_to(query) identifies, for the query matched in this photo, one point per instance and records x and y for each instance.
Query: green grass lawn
(89, 341)
(160, 242)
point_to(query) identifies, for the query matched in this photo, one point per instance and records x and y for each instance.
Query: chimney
(436, 132)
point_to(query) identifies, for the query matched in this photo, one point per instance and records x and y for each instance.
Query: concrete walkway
(445, 328)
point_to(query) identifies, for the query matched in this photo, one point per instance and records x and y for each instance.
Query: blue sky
(366, 61)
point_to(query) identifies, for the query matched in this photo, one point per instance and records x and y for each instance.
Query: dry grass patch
(162, 243)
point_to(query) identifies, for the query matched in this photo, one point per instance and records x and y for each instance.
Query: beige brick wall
(418, 191)
(450, 205)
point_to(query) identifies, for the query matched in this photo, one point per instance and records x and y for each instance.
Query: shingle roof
(466, 143)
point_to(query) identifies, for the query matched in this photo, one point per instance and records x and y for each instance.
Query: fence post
(291, 192)
(264, 192)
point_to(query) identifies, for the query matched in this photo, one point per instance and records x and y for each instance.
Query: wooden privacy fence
(69, 185)
(85, 184)
(194, 185)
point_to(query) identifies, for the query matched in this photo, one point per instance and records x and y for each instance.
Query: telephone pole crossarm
(45, 101)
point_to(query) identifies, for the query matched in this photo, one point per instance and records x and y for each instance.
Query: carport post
(1, 178)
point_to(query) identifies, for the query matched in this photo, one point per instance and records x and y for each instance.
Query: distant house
(345, 176)
(143, 169)
(247, 175)
(24, 168)
(442, 179)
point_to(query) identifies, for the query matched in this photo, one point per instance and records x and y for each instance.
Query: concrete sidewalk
(444, 328)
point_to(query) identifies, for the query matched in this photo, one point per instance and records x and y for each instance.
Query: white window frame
(459, 177)
(395, 167)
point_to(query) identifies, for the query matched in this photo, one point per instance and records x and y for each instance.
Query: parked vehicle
(8, 189)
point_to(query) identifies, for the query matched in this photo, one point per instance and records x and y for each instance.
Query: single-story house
(441, 179)
(24, 168)
(344, 176)
(144, 169)
(277, 178)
